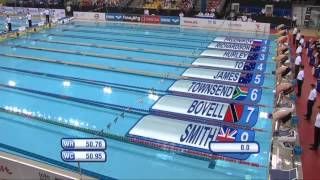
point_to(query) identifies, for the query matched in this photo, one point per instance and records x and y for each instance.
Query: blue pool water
(128, 90)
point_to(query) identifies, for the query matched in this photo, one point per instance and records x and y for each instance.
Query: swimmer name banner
(229, 64)
(210, 111)
(238, 47)
(189, 135)
(212, 91)
(226, 76)
(240, 40)
(235, 55)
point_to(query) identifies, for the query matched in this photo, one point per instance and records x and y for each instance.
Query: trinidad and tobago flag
(234, 113)
(227, 134)
(240, 93)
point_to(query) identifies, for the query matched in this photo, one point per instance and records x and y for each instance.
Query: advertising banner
(58, 13)
(114, 17)
(172, 20)
(132, 18)
(225, 24)
(89, 16)
(150, 19)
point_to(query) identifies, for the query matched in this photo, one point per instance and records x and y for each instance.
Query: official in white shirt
(300, 79)
(301, 41)
(294, 20)
(299, 49)
(298, 38)
(316, 139)
(8, 20)
(311, 100)
(29, 18)
(297, 64)
(47, 14)
(294, 35)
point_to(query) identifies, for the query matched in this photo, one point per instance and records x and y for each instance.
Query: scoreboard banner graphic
(235, 55)
(230, 64)
(240, 40)
(226, 76)
(238, 47)
(189, 135)
(213, 91)
(205, 110)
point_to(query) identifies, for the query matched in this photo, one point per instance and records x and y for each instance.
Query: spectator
(181, 14)
(263, 11)
(232, 15)
(244, 18)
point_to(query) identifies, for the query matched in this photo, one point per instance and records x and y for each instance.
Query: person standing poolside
(298, 36)
(300, 79)
(294, 35)
(301, 41)
(294, 21)
(316, 137)
(29, 18)
(299, 49)
(8, 20)
(297, 64)
(47, 14)
(311, 100)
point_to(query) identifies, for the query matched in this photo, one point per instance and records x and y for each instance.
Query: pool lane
(113, 96)
(85, 73)
(166, 29)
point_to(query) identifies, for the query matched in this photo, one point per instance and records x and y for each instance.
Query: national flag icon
(227, 134)
(240, 93)
(234, 113)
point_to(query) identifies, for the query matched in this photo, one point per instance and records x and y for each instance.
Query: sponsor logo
(114, 16)
(96, 16)
(170, 20)
(235, 24)
(210, 21)
(132, 18)
(151, 19)
(258, 27)
(195, 22)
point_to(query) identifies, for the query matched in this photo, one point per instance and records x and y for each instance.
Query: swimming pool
(90, 74)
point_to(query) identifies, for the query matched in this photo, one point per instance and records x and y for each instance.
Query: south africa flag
(240, 93)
